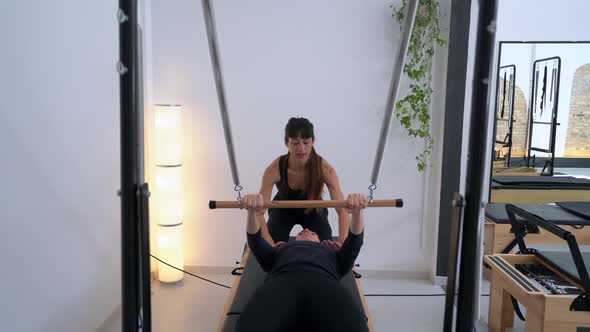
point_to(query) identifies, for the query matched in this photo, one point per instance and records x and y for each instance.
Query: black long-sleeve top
(306, 256)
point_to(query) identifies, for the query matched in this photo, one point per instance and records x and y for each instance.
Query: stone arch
(577, 142)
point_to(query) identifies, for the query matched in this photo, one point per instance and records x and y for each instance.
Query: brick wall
(577, 142)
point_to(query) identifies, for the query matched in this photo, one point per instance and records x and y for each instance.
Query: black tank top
(284, 191)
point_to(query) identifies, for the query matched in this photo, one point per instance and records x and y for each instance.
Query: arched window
(577, 142)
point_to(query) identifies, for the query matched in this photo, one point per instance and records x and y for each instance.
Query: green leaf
(412, 110)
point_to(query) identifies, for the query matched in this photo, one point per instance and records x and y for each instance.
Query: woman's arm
(352, 246)
(333, 184)
(262, 250)
(269, 178)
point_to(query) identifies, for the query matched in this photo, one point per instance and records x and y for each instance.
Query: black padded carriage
(556, 214)
(253, 276)
(581, 209)
(540, 182)
(563, 262)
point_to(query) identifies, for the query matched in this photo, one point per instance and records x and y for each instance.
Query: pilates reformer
(251, 273)
(499, 236)
(249, 276)
(539, 189)
(554, 286)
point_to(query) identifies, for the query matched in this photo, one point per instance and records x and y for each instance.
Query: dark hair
(315, 182)
(298, 127)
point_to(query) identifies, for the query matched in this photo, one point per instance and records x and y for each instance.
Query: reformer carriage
(553, 285)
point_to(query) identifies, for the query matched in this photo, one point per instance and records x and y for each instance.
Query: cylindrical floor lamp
(167, 190)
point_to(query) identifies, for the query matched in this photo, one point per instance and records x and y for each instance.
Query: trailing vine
(413, 110)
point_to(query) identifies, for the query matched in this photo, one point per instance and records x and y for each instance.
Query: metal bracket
(528, 251)
(580, 303)
(121, 68)
(528, 229)
(459, 202)
(122, 17)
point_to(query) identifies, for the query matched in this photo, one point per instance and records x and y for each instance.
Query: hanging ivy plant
(413, 110)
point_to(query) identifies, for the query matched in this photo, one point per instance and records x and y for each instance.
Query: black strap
(517, 309)
(510, 246)
(536, 91)
(553, 73)
(503, 96)
(544, 91)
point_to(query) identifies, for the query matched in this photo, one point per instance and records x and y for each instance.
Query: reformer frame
(238, 278)
(507, 141)
(499, 238)
(131, 278)
(545, 312)
(502, 164)
(555, 80)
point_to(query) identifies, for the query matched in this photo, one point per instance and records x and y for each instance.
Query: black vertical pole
(128, 192)
(453, 131)
(486, 26)
(144, 244)
(554, 118)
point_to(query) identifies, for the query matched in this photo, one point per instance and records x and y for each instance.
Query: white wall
(330, 61)
(573, 56)
(60, 242)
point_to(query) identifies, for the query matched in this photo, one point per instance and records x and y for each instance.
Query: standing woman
(300, 175)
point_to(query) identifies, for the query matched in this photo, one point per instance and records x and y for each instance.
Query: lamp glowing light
(167, 200)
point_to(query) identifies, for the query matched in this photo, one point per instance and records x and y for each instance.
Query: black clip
(356, 275)
(235, 272)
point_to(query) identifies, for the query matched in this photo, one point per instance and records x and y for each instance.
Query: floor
(194, 305)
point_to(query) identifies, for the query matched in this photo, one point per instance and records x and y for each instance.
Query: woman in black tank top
(309, 173)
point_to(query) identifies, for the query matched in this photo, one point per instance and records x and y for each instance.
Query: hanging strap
(510, 96)
(503, 96)
(398, 65)
(553, 76)
(517, 309)
(536, 91)
(544, 91)
(213, 50)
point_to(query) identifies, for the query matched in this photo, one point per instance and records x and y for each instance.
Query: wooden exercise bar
(306, 204)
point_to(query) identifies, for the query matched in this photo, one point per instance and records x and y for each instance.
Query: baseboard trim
(440, 281)
(209, 269)
(109, 323)
(394, 274)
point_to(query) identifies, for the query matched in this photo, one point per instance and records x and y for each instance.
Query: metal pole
(127, 66)
(486, 27)
(214, 51)
(398, 66)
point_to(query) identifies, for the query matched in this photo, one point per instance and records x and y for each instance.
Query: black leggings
(281, 222)
(301, 301)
